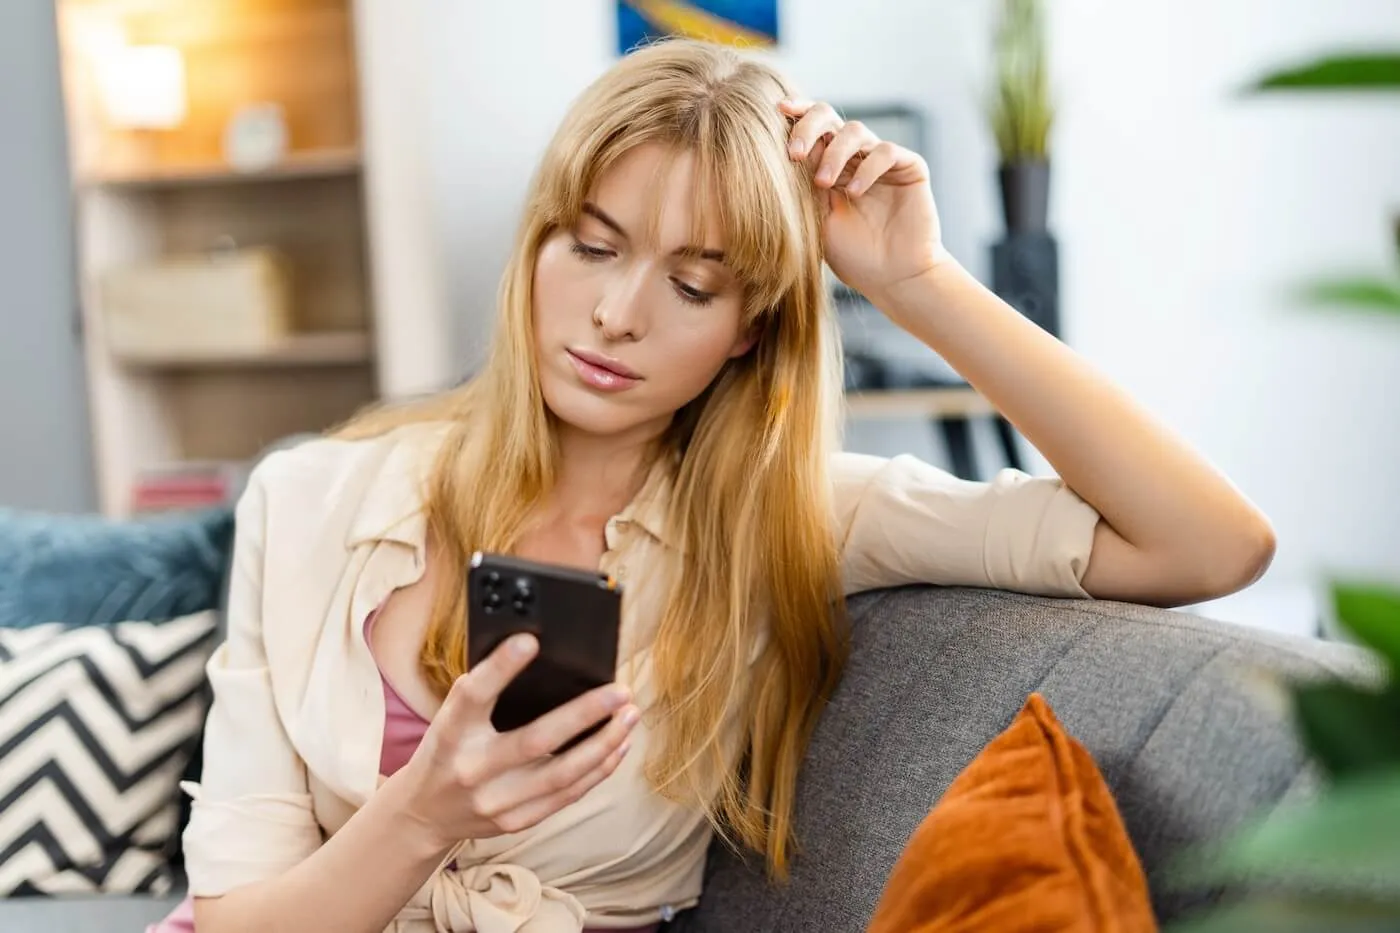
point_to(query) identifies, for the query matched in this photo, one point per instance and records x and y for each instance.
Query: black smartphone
(576, 616)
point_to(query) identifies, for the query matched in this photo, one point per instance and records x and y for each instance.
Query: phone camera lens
(521, 608)
(493, 579)
(524, 593)
(493, 601)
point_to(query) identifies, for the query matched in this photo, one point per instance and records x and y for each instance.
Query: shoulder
(326, 482)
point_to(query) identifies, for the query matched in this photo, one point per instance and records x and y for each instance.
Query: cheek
(558, 289)
(700, 348)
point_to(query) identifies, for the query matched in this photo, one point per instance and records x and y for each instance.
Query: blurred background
(225, 221)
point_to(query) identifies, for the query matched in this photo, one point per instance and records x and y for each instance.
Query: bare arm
(1174, 530)
(358, 881)
(465, 781)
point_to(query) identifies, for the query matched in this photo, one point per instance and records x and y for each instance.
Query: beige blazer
(327, 530)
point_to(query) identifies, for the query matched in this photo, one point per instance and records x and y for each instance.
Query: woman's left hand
(881, 226)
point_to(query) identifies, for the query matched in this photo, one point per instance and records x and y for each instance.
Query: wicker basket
(236, 300)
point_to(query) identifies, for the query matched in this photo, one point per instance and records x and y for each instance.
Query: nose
(621, 310)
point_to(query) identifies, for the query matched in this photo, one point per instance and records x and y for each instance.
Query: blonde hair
(751, 503)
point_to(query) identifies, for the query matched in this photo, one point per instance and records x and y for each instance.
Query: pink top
(403, 730)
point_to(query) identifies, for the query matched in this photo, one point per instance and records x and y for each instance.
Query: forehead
(657, 195)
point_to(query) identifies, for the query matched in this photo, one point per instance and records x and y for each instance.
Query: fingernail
(824, 177)
(798, 147)
(630, 717)
(618, 696)
(623, 749)
(522, 645)
(854, 187)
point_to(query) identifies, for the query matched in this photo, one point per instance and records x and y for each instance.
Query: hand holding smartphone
(575, 616)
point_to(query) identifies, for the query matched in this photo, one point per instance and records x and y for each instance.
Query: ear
(745, 342)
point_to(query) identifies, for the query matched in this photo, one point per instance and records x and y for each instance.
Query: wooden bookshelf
(330, 163)
(143, 195)
(300, 350)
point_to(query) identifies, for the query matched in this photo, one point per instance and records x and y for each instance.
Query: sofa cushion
(1027, 837)
(1167, 703)
(97, 723)
(89, 570)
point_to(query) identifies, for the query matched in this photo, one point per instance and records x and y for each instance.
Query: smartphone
(575, 615)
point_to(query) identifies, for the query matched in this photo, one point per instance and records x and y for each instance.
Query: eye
(589, 253)
(692, 295)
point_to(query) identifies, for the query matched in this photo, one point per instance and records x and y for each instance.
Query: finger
(548, 776)
(540, 809)
(877, 162)
(820, 119)
(475, 692)
(556, 727)
(795, 106)
(853, 138)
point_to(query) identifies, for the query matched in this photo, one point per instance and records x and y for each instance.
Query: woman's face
(629, 327)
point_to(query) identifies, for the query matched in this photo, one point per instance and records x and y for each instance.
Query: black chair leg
(957, 437)
(1009, 448)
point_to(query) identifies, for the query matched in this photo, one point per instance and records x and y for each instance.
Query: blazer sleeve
(251, 816)
(902, 521)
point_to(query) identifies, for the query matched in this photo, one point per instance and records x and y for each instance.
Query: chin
(588, 411)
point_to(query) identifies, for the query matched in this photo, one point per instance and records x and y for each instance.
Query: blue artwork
(751, 23)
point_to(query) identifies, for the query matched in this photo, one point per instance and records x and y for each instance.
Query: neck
(598, 476)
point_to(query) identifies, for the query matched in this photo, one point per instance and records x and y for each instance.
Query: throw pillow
(1027, 838)
(89, 570)
(96, 727)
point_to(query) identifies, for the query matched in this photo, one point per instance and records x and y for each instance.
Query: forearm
(1154, 492)
(358, 881)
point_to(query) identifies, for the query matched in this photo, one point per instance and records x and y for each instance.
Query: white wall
(45, 454)
(1183, 211)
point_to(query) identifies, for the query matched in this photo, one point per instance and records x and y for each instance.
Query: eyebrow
(598, 214)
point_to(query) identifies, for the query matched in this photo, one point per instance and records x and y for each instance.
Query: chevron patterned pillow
(96, 727)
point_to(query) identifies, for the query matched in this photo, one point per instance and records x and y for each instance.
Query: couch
(1167, 703)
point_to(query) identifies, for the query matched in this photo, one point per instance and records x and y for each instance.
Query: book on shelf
(188, 485)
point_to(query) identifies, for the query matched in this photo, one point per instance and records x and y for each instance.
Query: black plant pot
(1025, 196)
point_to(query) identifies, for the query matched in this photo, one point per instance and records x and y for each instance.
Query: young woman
(661, 403)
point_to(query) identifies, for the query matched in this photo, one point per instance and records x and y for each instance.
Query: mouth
(602, 372)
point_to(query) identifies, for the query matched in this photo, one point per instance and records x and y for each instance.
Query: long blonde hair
(751, 502)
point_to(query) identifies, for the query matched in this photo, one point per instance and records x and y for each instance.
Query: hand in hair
(881, 226)
(468, 781)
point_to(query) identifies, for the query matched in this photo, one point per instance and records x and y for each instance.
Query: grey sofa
(1163, 700)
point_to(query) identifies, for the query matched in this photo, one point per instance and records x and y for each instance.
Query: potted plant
(1333, 864)
(1022, 115)
(1359, 73)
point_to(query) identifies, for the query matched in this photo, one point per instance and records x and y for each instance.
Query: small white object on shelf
(256, 137)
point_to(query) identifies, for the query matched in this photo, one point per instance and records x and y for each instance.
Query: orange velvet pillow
(1027, 838)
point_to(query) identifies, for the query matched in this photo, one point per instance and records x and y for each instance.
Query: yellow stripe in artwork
(682, 19)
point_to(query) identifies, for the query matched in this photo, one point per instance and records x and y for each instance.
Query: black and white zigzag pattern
(96, 726)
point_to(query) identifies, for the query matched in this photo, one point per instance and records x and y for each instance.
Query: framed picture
(749, 23)
(901, 124)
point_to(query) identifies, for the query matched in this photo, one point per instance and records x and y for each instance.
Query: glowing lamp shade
(143, 86)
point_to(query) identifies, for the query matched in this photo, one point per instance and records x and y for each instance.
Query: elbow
(1244, 555)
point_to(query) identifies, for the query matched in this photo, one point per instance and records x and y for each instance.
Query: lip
(602, 372)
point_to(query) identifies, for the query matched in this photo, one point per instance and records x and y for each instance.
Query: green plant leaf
(1350, 730)
(1293, 916)
(1371, 612)
(1370, 72)
(1344, 844)
(1363, 294)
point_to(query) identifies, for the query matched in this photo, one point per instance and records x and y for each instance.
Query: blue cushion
(89, 570)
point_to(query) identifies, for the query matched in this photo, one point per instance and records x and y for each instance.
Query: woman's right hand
(468, 781)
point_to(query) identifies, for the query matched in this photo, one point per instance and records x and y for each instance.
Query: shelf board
(299, 350)
(325, 163)
(942, 402)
